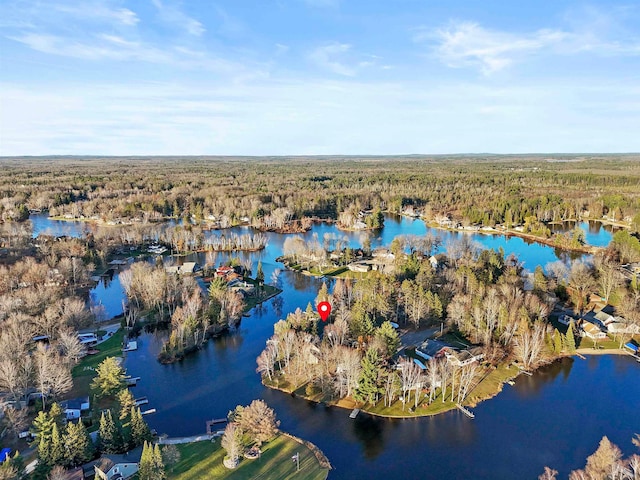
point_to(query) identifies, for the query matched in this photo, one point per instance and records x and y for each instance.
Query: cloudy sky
(278, 77)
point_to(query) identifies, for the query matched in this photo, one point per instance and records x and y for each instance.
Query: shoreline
(348, 403)
(585, 249)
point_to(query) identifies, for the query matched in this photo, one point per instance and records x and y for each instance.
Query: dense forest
(273, 192)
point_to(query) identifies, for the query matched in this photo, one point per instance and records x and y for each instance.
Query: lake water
(554, 418)
(109, 292)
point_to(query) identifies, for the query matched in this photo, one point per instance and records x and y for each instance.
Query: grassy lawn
(395, 410)
(267, 292)
(109, 348)
(204, 460)
(491, 383)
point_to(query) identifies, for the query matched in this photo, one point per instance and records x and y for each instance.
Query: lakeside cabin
(464, 357)
(73, 408)
(592, 331)
(118, 467)
(187, 268)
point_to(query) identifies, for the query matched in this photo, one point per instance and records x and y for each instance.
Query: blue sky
(280, 77)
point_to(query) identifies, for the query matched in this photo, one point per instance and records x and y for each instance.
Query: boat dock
(131, 381)
(354, 413)
(466, 411)
(211, 423)
(141, 401)
(147, 412)
(131, 346)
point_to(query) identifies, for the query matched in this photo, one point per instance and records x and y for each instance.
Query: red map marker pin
(324, 309)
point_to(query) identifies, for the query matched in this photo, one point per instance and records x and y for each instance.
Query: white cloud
(98, 10)
(330, 57)
(172, 14)
(468, 44)
(311, 117)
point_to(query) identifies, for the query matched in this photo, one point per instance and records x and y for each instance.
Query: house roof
(107, 462)
(602, 316)
(74, 474)
(188, 267)
(591, 328)
(432, 347)
(74, 403)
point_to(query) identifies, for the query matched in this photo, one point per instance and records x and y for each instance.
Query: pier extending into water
(466, 411)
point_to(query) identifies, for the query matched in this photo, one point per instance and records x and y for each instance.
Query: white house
(118, 467)
(73, 408)
(464, 357)
(592, 331)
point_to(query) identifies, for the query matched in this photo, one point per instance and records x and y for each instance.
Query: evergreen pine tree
(158, 464)
(369, 387)
(42, 426)
(139, 429)
(57, 451)
(557, 342)
(323, 294)
(260, 274)
(571, 339)
(110, 377)
(44, 450)
(389, 336)
(126, 401)
(151, 464)
(57, 415)
(79, 447)
(145, 468)
(110, 437)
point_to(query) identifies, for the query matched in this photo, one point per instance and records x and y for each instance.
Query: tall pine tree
(57, 451)
(110, 434)
(369, 387)
(139, 429)
(570, 338)
(78, 445)
(151, 464)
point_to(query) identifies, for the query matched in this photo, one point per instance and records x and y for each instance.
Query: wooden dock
(132, 381)
(211, 423)
(141, 401)
(147, 412)
(467, 412)
(354, 413)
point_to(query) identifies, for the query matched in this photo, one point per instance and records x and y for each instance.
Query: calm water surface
(554, 418)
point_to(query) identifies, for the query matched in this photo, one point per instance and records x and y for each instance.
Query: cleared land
(204, 460)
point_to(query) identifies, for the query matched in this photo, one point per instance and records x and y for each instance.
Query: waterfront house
(224, 271)
(432, 349)
(187, 268)
(593, 331)
(359, 267)
(118, 467)
(620, 325)
(73, 408)
(604, 318)
(464, 357)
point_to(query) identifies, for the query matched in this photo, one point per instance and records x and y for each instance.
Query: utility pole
(296, 458)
